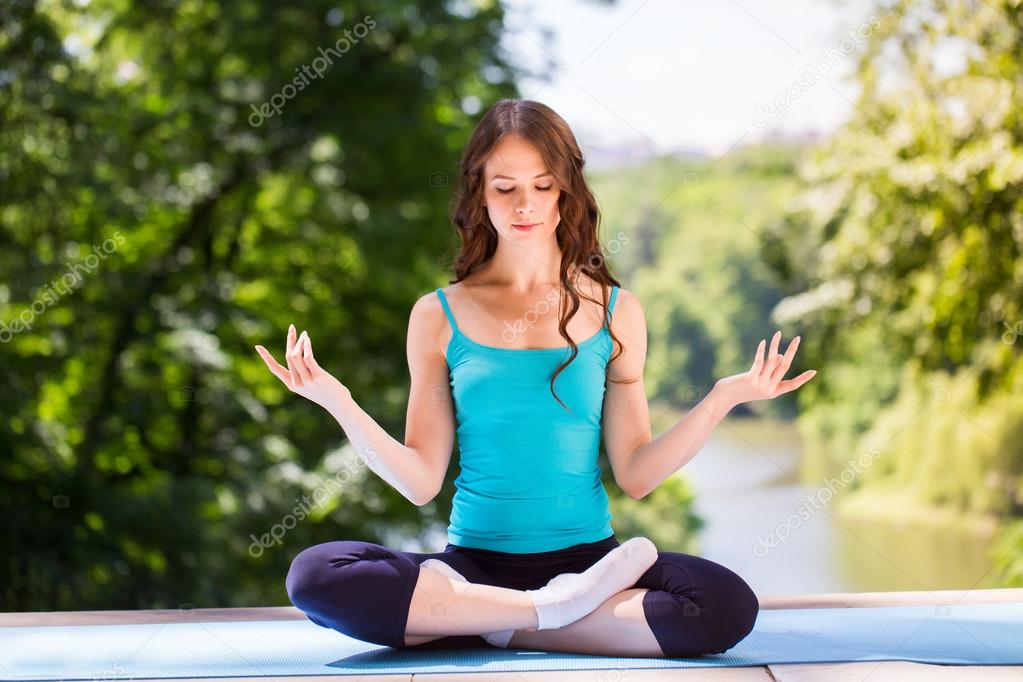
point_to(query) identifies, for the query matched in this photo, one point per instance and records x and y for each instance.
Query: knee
(314, 572)
(703, 608)
(735, 610)
(304, 578)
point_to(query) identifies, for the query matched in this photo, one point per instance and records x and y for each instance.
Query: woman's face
(520, 191)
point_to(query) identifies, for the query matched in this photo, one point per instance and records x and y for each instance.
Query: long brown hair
(576, 233)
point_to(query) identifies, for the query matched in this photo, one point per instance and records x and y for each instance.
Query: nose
(524, 210)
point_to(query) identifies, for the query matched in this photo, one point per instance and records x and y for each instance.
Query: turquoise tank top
(529, 479)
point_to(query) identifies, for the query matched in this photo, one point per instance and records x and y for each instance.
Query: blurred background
(181, 180)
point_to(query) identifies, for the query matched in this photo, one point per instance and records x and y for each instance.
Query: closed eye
(542, 189)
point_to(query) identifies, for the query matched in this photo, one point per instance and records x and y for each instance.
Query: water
(760, 523)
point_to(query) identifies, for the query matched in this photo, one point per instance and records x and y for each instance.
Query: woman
(532, 561)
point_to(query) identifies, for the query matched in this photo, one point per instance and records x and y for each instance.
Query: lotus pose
(531, 355)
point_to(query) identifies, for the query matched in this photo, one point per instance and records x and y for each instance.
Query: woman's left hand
(763, 380)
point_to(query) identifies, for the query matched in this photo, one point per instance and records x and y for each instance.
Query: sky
(680, 75)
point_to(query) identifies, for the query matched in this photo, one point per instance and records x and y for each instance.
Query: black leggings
(364, 590)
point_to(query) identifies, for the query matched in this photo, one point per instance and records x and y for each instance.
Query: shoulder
(628, 311)
(628, 324)
(628, 314)
(427, 305)
(426, 320)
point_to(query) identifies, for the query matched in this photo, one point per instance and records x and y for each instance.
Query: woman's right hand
(303, 375)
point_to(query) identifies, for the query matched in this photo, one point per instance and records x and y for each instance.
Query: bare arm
(626, 417)
(410, 468)
(658, 459)
(401, 466)
(641, 463)
(430, 418)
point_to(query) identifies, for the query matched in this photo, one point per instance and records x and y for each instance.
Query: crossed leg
(696, 607)
(682, 606)
(617, 627)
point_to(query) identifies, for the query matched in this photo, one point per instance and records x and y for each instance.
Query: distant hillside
(685, 236)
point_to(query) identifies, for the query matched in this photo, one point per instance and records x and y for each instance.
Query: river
(749, 496)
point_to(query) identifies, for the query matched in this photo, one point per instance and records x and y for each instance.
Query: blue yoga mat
(973, 634)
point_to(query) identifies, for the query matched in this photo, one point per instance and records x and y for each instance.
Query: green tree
(905, 252)
(143, 441)
(691, 246)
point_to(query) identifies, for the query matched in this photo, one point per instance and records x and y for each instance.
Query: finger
(785, 363)
(772, 357)
(306, 352)
(299, 361)
(758, 361)
(291, 338)
(795, 382)
(275, 367)
(296, 375)
(307, 355)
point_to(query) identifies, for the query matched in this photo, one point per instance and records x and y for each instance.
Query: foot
(570, 596)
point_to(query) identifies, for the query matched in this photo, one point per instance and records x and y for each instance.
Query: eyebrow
(506, 177)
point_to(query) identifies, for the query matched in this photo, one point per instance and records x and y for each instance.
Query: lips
(524, 226)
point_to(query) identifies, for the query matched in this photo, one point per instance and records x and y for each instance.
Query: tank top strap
(612, 299)
(611, 305)
(447, 308)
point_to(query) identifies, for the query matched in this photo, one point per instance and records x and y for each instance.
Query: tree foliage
(905, 253)
(153, 229)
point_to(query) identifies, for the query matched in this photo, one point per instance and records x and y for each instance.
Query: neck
(523, 268)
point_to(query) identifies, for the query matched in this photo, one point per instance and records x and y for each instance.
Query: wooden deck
(879, 671)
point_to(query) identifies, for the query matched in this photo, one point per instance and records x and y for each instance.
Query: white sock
(570, 596)
(498, 639)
